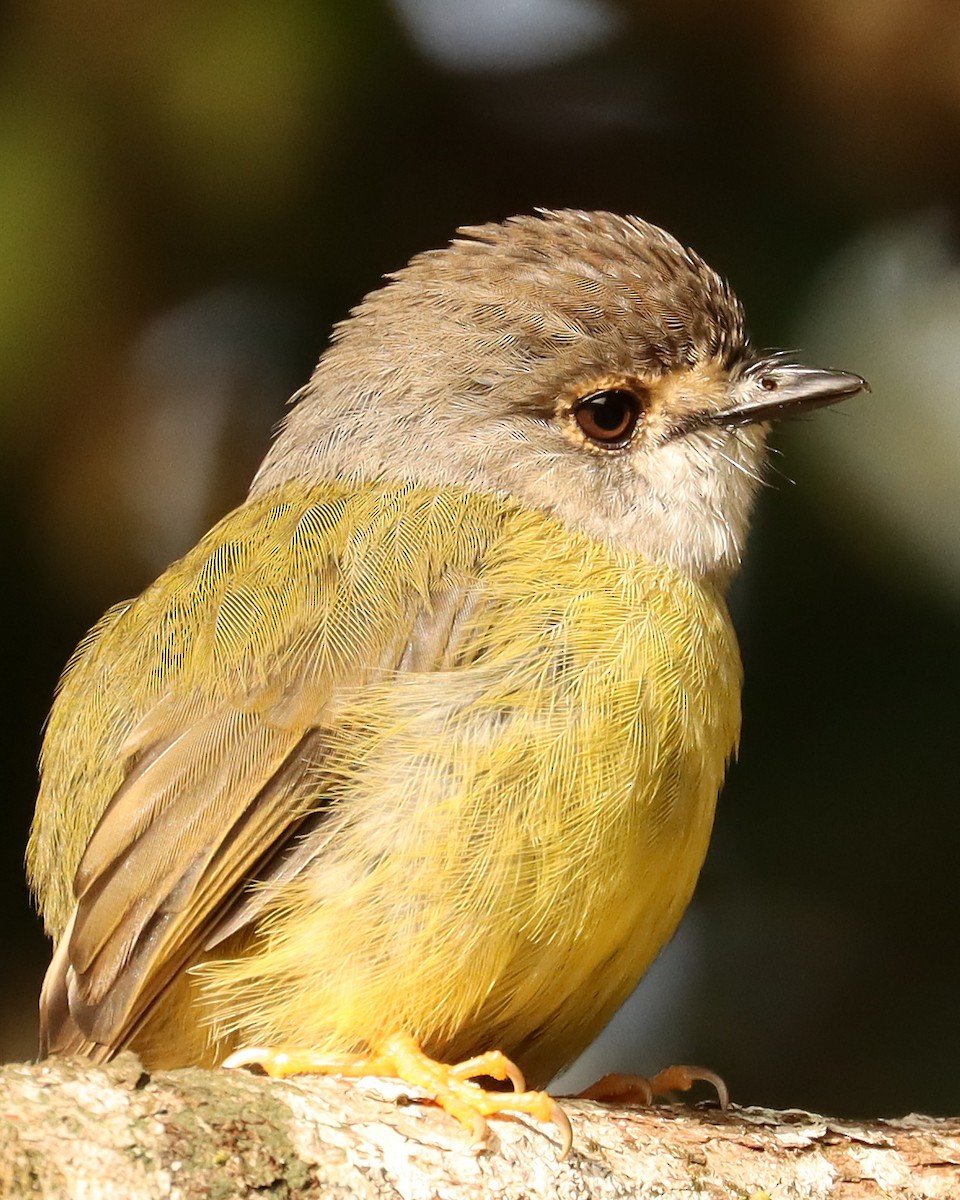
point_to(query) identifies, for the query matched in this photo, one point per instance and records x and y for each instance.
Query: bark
(70, 1129)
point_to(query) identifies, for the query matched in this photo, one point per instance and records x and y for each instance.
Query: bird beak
(769, 390)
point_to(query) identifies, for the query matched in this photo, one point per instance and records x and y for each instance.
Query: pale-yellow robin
(417, 751)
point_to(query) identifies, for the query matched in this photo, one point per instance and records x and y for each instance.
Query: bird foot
(452, 1087)
(638, 1089)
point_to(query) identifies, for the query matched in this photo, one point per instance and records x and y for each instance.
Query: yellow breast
(512, 837)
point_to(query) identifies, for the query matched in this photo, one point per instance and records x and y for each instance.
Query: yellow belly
(512, 840)
(518, 736)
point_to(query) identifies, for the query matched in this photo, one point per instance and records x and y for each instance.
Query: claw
(452, 1087)
(637, 1089)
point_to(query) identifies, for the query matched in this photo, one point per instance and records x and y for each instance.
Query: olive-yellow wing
(185, 749)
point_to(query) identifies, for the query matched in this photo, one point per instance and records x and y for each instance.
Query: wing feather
(202, 790)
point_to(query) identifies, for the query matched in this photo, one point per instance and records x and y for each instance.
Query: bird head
(582, 363)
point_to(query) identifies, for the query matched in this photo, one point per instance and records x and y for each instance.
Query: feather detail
(453, 765)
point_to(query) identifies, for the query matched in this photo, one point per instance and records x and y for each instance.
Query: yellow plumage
(489, 746)
(419, 748)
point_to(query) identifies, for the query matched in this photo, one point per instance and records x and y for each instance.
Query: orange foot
(637, 1089)
(452, 1087)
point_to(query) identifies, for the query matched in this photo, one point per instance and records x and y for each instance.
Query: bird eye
(608, 418)
(769, 383)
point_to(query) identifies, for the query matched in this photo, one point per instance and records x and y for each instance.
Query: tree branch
(71, 1129)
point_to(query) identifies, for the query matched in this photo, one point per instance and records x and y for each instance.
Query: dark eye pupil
(608, 417)
(609, 411)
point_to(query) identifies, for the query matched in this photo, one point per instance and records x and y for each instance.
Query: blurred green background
(191, 193)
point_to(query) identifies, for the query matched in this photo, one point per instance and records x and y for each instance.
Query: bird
(410, 765)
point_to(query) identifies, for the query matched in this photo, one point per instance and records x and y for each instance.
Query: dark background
(190, 194)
